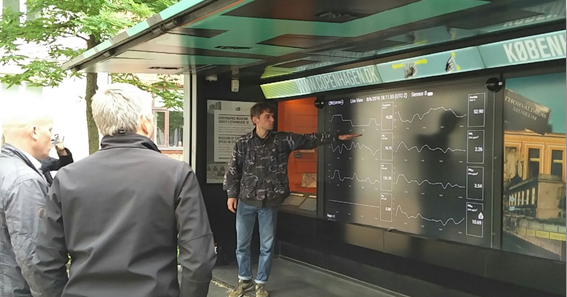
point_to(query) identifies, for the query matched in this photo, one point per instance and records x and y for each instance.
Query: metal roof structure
(277, 38)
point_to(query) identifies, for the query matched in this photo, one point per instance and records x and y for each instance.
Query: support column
(190, 119)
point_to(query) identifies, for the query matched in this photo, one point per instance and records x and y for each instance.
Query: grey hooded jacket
(22, 194)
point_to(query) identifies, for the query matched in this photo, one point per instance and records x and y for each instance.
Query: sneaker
(261, 291)
(241, 288)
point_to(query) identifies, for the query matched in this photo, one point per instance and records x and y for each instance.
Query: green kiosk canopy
(274, 40)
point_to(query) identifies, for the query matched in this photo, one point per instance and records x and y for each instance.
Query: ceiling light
(164, 68)
(228, 47)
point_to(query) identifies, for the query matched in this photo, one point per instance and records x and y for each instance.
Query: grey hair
(120, 107)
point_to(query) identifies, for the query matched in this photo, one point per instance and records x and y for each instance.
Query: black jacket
(118, 214)
(257, 171)
(53, 164)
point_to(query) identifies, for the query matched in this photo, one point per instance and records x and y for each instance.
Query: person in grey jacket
(257, 183)
(121, 213)
(27, 136)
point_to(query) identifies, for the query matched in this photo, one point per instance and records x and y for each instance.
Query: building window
(510, 163)
(20, 6)
(159, 135)
(557, 163)
(168, 128)
(32, 14)
(12, 91)
(533, 162)
(13, 4)
(34, 92)
(175, 129)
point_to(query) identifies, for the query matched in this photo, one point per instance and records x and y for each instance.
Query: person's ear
(147, 127)
(34, 132)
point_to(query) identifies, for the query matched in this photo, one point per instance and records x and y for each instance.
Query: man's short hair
(120, 107)
(259, 108)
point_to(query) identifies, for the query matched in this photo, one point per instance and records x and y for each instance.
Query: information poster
(229, 126)
(534, 166)
(226, 122)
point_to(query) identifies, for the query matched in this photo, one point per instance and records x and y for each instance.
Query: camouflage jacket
(257, 172)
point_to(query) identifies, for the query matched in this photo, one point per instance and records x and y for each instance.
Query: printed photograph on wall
(534, 166)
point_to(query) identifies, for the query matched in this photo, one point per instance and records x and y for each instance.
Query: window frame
(156, 110)
(526, 158)
(548, 163)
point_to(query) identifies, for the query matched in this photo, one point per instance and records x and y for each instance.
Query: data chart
(422, 166)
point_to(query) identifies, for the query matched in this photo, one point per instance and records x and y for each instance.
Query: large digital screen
(424, 164)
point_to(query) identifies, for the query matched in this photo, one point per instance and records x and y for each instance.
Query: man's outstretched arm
(296, 141)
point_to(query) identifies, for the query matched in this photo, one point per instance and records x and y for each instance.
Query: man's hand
(60, 148)
(231, 203)
(349, 136)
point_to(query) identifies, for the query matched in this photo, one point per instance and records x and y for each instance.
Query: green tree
(49, 21)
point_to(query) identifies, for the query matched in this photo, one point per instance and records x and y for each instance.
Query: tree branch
(77, 35)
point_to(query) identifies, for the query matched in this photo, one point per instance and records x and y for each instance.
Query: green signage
(544, 47)
(461, 60)
(537, 48)
(350, 78)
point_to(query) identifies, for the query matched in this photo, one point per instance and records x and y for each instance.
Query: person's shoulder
(24, 178)
(162, 161)
(167, 161)
(16, 169)
(85, 164)
(155, 162)
(245, 138)
(283, 134)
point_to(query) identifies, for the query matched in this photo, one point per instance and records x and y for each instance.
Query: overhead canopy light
(336, 15)
(228, 47)
(164, 68)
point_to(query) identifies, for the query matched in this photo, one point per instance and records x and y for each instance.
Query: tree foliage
(167, 87)
(64, 30)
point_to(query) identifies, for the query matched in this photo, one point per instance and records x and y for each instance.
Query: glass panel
(34, 92)
(13, 4)
(31, 15)
(534, 154)
(176, 129)
(533, 162)
(160, 128)
(557, 163)
(10, 91)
